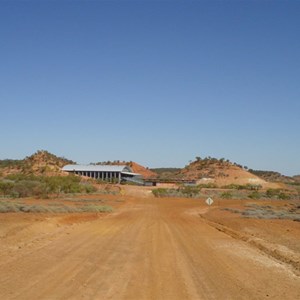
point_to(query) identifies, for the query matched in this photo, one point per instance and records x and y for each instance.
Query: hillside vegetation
(165, 173)
(273, 176)
(40, 175)
(221, 172)
(40, 163)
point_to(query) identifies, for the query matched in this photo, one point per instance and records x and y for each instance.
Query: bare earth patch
(148, 248)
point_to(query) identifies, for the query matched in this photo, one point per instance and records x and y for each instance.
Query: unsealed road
(150, 249)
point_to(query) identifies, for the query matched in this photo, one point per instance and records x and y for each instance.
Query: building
(110, 173)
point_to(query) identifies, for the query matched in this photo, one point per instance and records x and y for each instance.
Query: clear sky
(157, 82)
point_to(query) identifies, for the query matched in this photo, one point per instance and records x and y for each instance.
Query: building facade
(110, 173)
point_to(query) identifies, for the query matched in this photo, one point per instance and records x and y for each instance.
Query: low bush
(20, 185)
(9, 206)
(187, 192)
(161, 192)
(207, 185)
(254, 195)
(243, 187)
(267, 212)
(226, 195)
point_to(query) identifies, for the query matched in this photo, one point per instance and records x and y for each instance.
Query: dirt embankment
(276, 238)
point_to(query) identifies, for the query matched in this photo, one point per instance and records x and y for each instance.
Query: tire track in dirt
(151, 250)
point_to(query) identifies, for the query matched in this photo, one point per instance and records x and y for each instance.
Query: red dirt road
(149, 249)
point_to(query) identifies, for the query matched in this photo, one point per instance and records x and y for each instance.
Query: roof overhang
(130, 173)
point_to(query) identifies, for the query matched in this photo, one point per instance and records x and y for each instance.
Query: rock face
(221, 172)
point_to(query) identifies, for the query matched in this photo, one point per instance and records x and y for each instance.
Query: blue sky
(157, 82)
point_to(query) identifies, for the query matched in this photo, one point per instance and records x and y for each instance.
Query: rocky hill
(221, 172)
(40, 163)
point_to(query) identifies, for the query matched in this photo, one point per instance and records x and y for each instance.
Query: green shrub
(20, 185)
(207, 185)
(254, 195)
(26, 188)
(226, 195)
(247, 186)
(89, 188)
(160, 192)
(190, 191)
(277, 193)
(273, 192)
(283, 196)
(6, 187)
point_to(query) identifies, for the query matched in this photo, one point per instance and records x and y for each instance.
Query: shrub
(6, 187)
(226, 195)
(243, 187)
(207, 185)
(89, 188)
(190, 191)
(160, 192)
(254, 195)
(20, 185)
(283, 196)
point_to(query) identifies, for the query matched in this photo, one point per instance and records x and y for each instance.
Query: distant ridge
(221, 172)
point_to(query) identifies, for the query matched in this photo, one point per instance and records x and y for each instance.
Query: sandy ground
(148, 248)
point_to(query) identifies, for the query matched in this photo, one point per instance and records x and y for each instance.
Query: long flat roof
(97, 168)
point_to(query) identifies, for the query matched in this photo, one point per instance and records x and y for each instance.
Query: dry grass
(18, 207)
(268, 212)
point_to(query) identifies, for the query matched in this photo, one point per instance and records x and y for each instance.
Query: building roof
(97, 168)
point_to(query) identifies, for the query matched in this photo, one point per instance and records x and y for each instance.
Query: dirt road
(149, 249)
